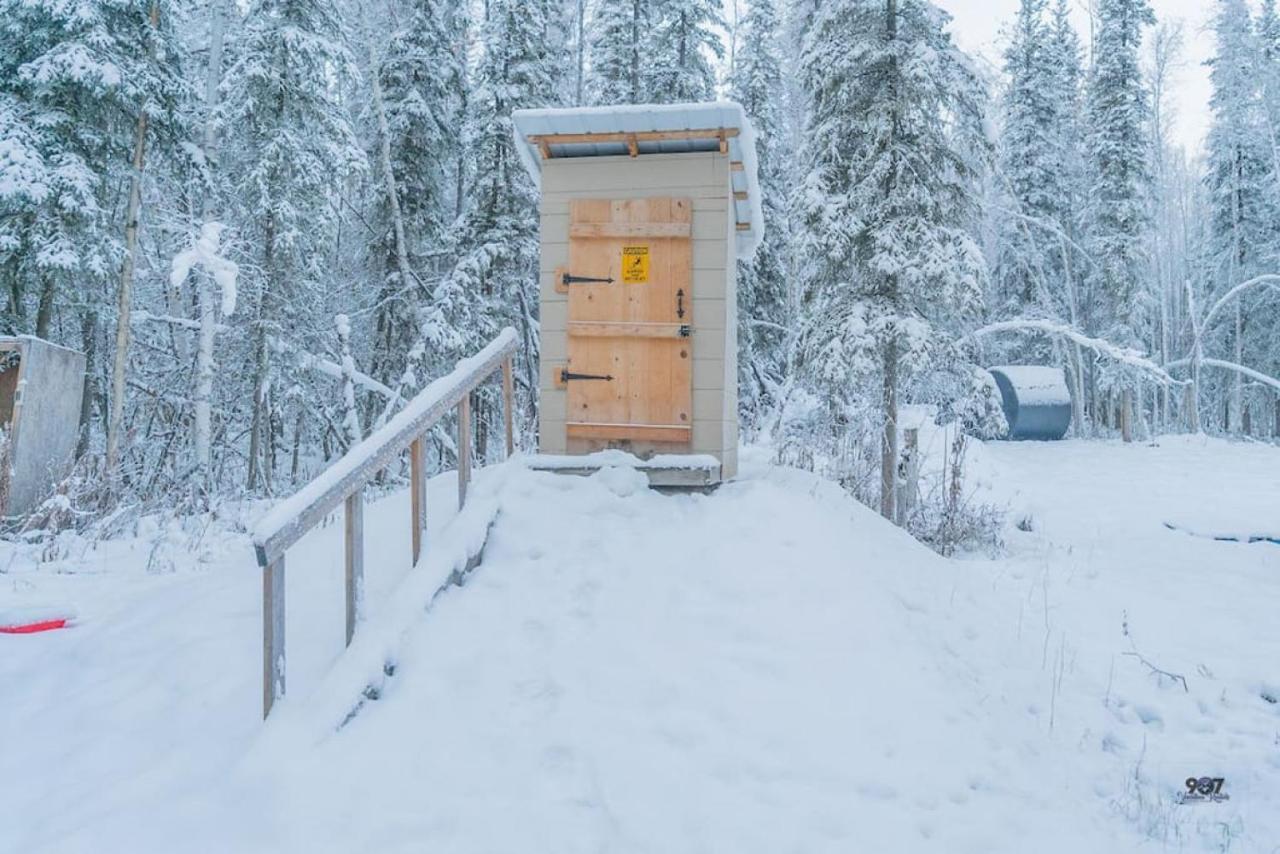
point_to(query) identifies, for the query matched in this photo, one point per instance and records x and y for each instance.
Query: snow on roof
(1035, 385)
(637, 129)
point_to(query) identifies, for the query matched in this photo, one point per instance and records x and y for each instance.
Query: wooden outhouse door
(629, 373)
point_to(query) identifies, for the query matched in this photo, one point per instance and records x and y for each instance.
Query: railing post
(417, 494)
(464, 447)
(272, 634)
(355, 559)
(508, 403)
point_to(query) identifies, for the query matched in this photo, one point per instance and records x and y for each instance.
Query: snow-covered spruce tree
(1238, 172)
(1118, 112)
(1064, 61)
(1163, 55)
(1268, 37)
(417, 102)
(494, 281)
(763, 281)
(682, 44)
(75, 78)
(617, 54)
(35, 218)
(1031, 176)
(291, 141)
(890, 266)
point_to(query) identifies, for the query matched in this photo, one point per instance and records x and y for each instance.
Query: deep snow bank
(770, 668)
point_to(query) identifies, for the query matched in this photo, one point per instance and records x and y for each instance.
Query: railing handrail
(345, 480)
(290, 519)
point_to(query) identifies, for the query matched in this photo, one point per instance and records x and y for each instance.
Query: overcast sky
(978, 26)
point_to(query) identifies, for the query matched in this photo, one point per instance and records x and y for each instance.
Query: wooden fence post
(464, 447)
(508, 403)
(355, 559)
(417, 494)
(272, 634)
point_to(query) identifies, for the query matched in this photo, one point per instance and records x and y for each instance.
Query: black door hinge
(570, 279)
(566, 375)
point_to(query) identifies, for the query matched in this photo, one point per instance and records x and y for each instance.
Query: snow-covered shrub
(947, 516)
(980, 410)
(843, 445)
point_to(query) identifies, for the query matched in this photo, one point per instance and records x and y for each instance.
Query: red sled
(26, 621)
(31, 628)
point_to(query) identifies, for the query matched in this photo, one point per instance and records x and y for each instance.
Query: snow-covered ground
(769, 668)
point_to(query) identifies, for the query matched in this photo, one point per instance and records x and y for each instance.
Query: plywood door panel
(629, 329)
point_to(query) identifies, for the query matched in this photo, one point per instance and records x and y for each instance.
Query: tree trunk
(581, 57)
(388, 176)
(1126, 415)
(889, 394)
(44, 310)
(89, 340)
(202, 402)
(257, 424)
(1236, 402)
(350, 414)
(637, 7)
(889, 439)
(124, 304)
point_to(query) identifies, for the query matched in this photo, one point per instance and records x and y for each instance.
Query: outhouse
(1035, 400)
(645, 211)
(41, 386)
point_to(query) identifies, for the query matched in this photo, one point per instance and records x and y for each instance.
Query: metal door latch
(685, 330)
(566, 375)
(569, 279)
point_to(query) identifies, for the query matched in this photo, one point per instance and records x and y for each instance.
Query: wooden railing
(344, 482)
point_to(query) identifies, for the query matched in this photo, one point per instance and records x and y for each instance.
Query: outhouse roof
(637, 129)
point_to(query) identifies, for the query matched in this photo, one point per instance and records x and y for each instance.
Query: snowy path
(769, 669)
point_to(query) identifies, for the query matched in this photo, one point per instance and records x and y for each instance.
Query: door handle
(680, 303)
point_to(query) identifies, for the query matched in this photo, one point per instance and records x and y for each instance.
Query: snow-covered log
(1230, 366)
(1124, 355)
(1226, 299)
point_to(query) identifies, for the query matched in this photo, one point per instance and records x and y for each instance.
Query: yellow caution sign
(635, 265)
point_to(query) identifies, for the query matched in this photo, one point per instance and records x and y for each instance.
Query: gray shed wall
(46, 419)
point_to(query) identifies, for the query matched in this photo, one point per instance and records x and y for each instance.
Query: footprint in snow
(1149, 716)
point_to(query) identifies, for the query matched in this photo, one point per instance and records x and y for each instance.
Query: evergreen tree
(1268, 39)
(494, 282)
(1237, 168)
(891, 268)
(74, 77)
(617, 51)
(1030, 168)
(763, 307)
(1118, 112)
(683, 41)
(420, 88)
(292, 140)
